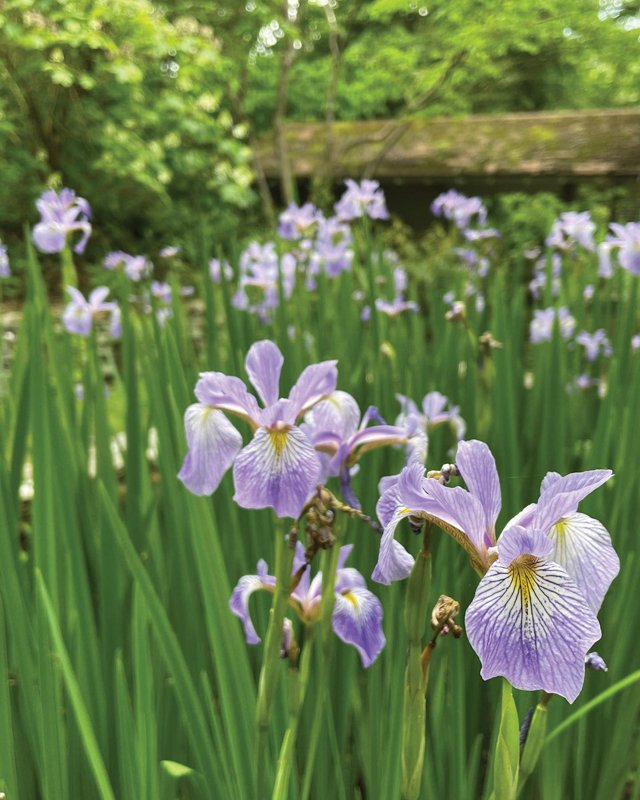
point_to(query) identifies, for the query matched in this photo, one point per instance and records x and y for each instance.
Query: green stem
(69, 274)
(327, 639)
(270, 671)
(299, 680)
(416, 673)
(534, 742)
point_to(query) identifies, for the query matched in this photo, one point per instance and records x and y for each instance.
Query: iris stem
(298, 681)
(416, 672)
(69, 274)
(270, 670)
(326, 643)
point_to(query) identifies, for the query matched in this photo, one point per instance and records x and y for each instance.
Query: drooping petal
(239, 600)
(213, 444)
(562, 497)
(582, 546)
(277, 469)
(228, 394)
(357, 620)
(530, 623)
(49, 237)
(263, 365)
(315, 382)
(478, 468)
(394, 562)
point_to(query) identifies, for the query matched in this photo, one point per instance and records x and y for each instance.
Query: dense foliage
(152, 108)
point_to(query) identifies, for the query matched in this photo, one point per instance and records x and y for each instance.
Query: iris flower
(78, 314)
(532, 619)
(357, 613)
(60, 215)
(280, 467)
(337, 429)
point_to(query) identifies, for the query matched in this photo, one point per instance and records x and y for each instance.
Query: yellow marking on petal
(278, 441)
(522, 572)
(351, 598)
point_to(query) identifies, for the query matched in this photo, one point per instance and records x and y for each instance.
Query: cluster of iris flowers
(533, 618)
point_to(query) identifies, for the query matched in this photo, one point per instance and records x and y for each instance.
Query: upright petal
(263, 365)
(228, 394)
(582, 546)
(239, 600)
(357, 620)
(315, 382)
(213, 444)
(279, 469)
(478, 468)
(530, 623)
(562, 496)
(337, 414)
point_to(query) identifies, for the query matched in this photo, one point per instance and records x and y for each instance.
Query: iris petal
(357, 620)
(213, 444)
(263, 365)
(277, 469)
(530, 623)
(583, 547)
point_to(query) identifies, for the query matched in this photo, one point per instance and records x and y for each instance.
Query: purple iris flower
(435, 411)
(357, 613)
(78, 314)
(60, 215)
(261, 270)
(572, 227)
(605, 268)
(161, 291)
(627, 238)
(279, 468)
(542, 324)
(5, 269)
(336, 428)
(219, 269)
(595, 344)
(533, 617)
(332, 249)
(459, 208)
(297, 222)
(135, 267)
(635, 342)
(360, 200)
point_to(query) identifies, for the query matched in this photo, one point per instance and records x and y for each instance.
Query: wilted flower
(279, 468)
(60, 215)
(360, 200)
(78, 314)
(169, 251)
(357, 613)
